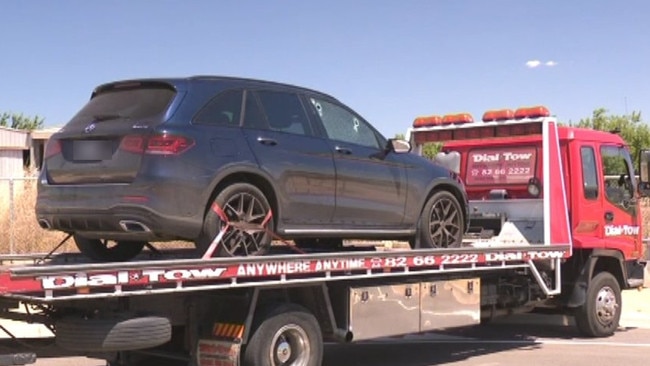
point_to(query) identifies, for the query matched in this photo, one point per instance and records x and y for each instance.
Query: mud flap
(578, 294)
(212, 352)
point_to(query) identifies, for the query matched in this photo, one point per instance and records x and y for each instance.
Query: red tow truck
(549, 228)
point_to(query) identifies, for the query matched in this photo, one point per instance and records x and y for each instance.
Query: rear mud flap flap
(212, 352)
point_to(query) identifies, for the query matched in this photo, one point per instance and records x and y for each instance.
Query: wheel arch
(610, 262)
(591, 263)
(250, 176)
(453, 188)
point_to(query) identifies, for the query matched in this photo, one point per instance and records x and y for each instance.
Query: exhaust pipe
(134, 226)
(44, 224)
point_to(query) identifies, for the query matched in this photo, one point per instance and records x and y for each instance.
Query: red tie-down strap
(228, 225)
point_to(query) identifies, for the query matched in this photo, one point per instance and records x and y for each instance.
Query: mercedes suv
(183, 158)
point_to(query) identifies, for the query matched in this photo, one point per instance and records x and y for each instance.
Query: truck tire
(108, 250)
(441, 223)
(287, 335)
(600, 314)
(241, 203)
(112, 334)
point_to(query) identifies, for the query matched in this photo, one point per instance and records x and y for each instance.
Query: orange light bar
(498, 115)
(532, 112)
(426, 121)
(478, 133)
(455, 119)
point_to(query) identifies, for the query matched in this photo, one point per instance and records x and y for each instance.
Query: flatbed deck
(67, 276)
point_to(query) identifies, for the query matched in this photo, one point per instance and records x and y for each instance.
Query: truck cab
(603, 205)
(503, 161)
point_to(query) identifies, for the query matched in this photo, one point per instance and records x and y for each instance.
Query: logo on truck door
(621, 230)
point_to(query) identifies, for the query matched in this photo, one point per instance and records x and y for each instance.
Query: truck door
(620, 216)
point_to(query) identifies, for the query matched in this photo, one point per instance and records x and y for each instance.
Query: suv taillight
(164, 144)
(134, 144)
(53, 147)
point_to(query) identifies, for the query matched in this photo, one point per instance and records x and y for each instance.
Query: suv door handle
(609, 216)
(267, 141)
(343, 150)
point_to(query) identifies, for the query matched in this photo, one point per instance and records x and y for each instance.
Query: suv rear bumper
(148, 211)
(119, 223)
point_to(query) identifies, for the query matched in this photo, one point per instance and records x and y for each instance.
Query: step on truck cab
(554, 222)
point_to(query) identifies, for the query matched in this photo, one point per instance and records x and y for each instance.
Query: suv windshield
(131, 103)
(500, 166)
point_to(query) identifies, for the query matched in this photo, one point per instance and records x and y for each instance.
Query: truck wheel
(441, 223)
(243, 204)
(112, 334)
(108, 250)
(288, 336)
(600, 314)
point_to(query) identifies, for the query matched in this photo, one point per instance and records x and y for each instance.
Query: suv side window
(589, 172)
(342, 125)
(618, 183)
(284, 112)
(253, 115)
(222, 110)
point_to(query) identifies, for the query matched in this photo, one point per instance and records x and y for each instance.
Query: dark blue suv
(169, 159)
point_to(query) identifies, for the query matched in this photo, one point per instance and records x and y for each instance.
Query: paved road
(498, 345)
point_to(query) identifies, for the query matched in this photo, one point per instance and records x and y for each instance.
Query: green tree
(20, 121)
(430, 149)
(632, 129)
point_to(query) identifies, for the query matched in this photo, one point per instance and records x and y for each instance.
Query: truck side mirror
(644, 173)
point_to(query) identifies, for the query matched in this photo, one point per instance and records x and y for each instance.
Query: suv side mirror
(399, 146)
(644, 173)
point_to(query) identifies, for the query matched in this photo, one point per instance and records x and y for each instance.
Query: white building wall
(11, 164)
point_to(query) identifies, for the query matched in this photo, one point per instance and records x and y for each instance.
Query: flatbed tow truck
(533, 243)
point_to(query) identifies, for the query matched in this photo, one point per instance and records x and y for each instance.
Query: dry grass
(23, 235)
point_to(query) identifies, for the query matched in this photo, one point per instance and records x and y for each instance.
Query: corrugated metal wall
(15, 139)
(11, 164)
(12, 144)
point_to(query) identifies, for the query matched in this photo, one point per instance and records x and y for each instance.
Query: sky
(388, 60)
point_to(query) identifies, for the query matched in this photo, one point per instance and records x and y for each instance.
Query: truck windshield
(500, 166)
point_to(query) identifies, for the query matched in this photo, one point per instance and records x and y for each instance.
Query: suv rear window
(500, 166)
(134, 103)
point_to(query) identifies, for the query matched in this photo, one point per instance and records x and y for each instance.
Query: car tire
(112, 334)
(290, 334)
(101, 250)
(241, 203)
(441, 223)
(599, 316)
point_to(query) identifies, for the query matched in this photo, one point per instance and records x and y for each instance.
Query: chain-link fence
(20, 230)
